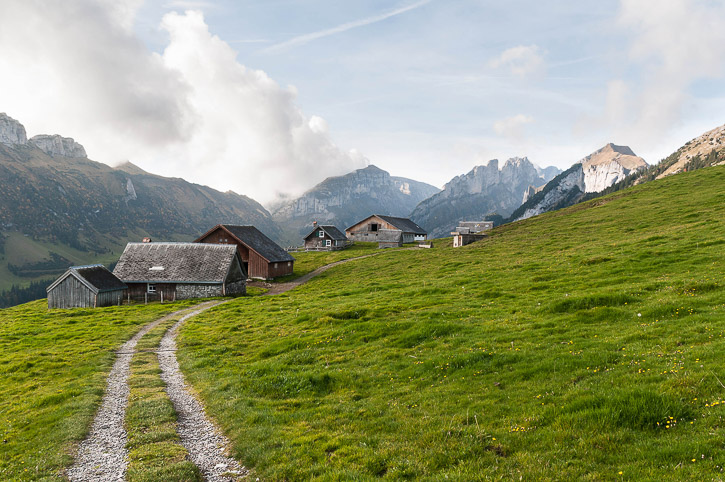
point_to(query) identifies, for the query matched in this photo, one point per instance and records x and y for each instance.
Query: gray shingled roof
(96, 277)
(254, 239)
(175, 262)
(404, 224)
(331, 231)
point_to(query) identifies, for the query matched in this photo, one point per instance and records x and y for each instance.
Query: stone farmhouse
(176, 271)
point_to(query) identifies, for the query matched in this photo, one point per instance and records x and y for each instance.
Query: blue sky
(269, 97)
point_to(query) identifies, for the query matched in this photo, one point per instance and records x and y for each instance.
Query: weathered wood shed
(86, 287)
(386, 230)
(262, 257)
(177, 271)
(326, 238)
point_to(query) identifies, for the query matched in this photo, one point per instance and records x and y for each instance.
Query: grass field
(582, 344)
(53, 366)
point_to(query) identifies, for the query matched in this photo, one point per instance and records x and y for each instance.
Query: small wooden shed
(326, 238)
(90, 286)
(262, 257)
(386, 230)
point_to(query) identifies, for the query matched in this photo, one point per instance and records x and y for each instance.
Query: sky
(269, 97)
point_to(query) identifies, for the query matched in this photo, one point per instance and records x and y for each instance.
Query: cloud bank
(673, 44)
(193, 111)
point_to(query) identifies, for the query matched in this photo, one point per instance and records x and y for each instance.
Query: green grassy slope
(53, 368)
(584, 344)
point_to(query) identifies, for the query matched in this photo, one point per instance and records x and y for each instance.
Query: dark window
(151, 288)
(374, 227)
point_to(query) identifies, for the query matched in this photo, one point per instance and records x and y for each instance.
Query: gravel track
(102, 456)
(204, 442)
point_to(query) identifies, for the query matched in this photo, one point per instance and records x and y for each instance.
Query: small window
(328, 242)
(151, 288)
(321, 233)
(275, 265)
(289, 263)
(374, 227)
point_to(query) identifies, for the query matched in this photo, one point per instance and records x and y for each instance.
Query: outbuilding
(261, 257)
(177, 271)
(326, 238)
(388, 231)
(91, 286)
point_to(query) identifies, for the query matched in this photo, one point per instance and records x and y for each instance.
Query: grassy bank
(53, 366)
(585, 344)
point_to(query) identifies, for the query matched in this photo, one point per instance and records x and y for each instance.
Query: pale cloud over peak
(513, 127)
(193, 109)
(673, 45)
(521, 61)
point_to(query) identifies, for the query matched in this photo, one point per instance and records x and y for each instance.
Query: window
(151, 288)
(374, 227)
(289, 263)
(275, 265)
(328, 242)
(320, 234)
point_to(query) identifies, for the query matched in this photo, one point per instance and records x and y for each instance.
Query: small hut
(90, 286)
(326, 238)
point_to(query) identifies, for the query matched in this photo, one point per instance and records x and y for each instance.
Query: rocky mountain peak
(700, 146)
(609, 165)
(12, 132)
(55, 145)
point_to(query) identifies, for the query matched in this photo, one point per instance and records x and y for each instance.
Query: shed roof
(404, 224)
(95, 277)
(175, 262)
(256, 240)
(331, 231)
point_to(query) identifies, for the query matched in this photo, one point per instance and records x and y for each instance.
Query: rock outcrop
(344, 200)
(484, 190)
(700, 147)
(592, 174)
(55, 145)
(12, 132)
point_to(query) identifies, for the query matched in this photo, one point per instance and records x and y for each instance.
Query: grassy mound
(585, 343)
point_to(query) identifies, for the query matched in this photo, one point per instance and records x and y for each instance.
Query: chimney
(146, 240)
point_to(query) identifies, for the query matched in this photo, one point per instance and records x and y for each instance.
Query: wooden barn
(86, 287)
(261, 257)
(387, 231)
(326, 238)
(177, 271)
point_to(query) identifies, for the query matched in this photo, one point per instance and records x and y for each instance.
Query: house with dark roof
(177, 271)
(90, 286)
(326, 238)
(387, 231)
(261, 257)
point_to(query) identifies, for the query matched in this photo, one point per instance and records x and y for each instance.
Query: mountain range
(58, 208)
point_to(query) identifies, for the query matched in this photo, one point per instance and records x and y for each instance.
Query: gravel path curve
(102, 456)
(204, 442)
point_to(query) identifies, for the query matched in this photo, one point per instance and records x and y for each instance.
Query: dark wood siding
(71, 293)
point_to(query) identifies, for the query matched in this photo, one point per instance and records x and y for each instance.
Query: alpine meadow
(584, 343)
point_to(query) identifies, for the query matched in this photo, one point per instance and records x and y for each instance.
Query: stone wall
(237, 288)
(186, 291)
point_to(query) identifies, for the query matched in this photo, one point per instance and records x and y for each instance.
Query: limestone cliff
(55, 145)
(484, 190)
(12, 132)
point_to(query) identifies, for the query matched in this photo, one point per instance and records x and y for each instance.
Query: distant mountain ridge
(594, 173)
(343, 200)
(51, 193)
(483, 191)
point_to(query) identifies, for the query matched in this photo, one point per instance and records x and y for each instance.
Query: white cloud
(674, 44)
(193, 111)
(513, 127)
(522, 61)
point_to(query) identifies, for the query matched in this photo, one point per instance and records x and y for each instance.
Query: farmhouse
(387, 231)
(468, 232)
(261, 257)
(86, 287)
(326, 238)
(177, 271)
